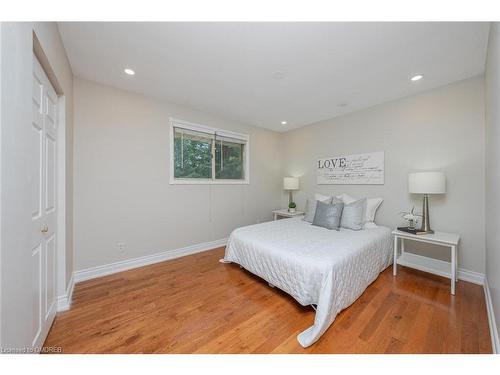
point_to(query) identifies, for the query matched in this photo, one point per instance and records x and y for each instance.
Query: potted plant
(411, 217)
(291, 207)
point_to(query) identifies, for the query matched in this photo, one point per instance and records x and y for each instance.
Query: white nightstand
(277, 214)
(450, 240)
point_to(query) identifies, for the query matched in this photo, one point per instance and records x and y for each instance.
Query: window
(203, 155)
(192, 154)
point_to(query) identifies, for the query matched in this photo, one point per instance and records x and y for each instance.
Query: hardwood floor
(197, 305)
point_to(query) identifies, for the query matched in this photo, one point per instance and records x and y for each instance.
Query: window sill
(208, 182)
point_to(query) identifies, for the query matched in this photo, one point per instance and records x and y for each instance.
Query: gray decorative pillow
(311, 208)
(353, 215)
(328, 215)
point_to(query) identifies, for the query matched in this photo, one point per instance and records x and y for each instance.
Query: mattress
(316, 266)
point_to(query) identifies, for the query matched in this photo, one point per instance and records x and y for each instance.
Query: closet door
(44, 198)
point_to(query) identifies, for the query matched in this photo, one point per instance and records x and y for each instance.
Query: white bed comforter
(327, 268)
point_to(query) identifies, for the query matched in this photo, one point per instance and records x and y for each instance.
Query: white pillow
(323, 198)
(370, 225)
(372, 205)
(346, 198)
(311, 206)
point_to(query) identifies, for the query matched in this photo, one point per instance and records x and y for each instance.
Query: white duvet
(316, 266)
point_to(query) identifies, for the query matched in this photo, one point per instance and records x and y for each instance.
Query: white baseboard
(495, 344)
(108, 269)
(439, 267)
(64, 301)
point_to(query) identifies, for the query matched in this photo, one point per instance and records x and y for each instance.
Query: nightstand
(427, 264)
(280, 214)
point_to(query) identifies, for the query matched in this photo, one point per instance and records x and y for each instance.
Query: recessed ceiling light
(283, 122)
(417, 77)
(129, 71)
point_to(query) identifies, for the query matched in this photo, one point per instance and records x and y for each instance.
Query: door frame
(63, 288)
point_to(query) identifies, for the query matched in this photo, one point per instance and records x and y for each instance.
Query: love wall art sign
(359, 169)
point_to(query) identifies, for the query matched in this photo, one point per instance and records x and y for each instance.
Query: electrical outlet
(121, 247)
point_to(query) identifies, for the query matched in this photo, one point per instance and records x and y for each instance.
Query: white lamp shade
(291, 183)
(427, 183)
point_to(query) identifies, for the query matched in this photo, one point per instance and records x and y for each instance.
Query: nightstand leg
(453, 268)
(394, 265)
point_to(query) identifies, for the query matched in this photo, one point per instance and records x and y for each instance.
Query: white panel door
(44, 198)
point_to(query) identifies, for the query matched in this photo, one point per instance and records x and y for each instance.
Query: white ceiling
(229, 69)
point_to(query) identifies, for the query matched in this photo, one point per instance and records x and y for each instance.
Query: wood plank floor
(196, 305)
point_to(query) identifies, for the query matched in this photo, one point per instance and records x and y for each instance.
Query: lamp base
(426, 221)
(426, 232)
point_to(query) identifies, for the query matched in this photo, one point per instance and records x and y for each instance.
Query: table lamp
(426, 183)
(290, 184)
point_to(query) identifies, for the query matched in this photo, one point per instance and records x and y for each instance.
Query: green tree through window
(208, 155)
(228, 160)
(192, 156)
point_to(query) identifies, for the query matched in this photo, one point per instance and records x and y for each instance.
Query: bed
(316, 266)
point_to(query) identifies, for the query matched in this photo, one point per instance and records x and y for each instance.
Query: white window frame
(176, 123)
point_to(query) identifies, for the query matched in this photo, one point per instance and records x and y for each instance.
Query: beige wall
(15, 99)
(122, 191)
(442, 129)
(492, 79)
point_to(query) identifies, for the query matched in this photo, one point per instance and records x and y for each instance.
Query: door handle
(45, 229)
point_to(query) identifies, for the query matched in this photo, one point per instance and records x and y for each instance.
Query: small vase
(411, 224)
(291, 210)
